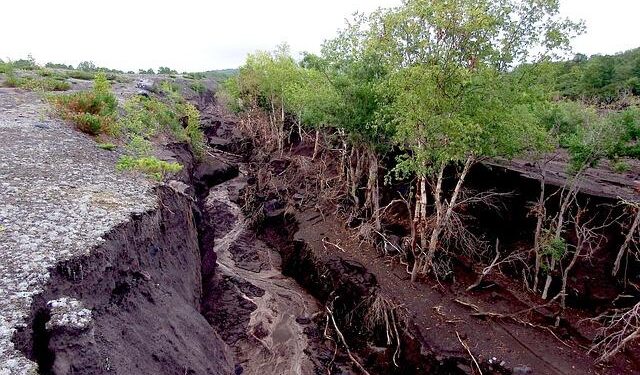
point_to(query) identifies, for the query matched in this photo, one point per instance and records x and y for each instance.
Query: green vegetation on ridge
(95, 112)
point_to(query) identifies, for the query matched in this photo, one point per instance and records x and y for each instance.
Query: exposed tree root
(464, 345)
(342, 339)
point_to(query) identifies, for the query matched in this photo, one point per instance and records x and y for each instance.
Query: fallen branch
(487, 269)
(325, 241)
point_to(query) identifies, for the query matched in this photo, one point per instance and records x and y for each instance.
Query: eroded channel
(259, 312)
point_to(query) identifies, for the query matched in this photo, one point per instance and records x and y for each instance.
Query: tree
(455, 99)
(166, 70)
(87, 66)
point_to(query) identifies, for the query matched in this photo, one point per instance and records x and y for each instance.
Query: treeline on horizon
(90, 67)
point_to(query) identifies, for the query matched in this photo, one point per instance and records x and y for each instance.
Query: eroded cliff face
(131, 305)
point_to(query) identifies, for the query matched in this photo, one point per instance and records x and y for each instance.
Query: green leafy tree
(455, 100)
(166, 70)
(87, 66)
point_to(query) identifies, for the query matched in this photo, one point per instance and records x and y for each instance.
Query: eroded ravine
(271, 338)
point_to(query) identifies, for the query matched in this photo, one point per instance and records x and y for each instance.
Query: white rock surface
(59, 194)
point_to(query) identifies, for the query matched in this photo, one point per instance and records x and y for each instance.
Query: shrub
(198, 87)
(621, 166)
(36, 84)
(166, 70)
(94, 111)
(5, 67)
(45, 84)
(25, 64)
(80, 74)
(149, 165)
(58, 66)
(139, 147)
(87, 66)
(193, 130)
(88, 123)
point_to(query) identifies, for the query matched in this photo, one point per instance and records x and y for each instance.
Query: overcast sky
(191, 35)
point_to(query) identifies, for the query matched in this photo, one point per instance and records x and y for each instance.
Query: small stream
(269, 333)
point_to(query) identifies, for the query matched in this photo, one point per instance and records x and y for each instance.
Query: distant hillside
(598, 78)
(221, 74)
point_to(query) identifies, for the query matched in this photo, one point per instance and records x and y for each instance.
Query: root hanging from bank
(341, 338)
(385, 315)
(620, 329)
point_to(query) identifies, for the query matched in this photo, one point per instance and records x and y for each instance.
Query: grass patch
(149, 165)
(107, 146)
(142, 119)
(81, 74)
(36, 84)
(621, 166)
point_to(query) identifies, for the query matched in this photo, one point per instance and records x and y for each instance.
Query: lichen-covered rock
(59, 194)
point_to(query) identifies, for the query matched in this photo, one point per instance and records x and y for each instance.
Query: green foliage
(145, 118)
(87, 66)
(195, 76)
(554, 247)
(198, 87)
(92, 111)
(149, 165)
(604, 79)
(562, 119)
(597, 138)
(166, 70)
(52, 65)
(591, 136)
(25, 64)
(148, 71)
(621, 166)
(139, 147)
(88, 123)
(51, 81)
(434, 78)
(454, 97)
(5, 67)
(81, 74)
(107, 146)
(194, 133)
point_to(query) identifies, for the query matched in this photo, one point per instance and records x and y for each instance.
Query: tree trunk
(374, 189)
(625, 244)
(442, 218)
(565, 202)
(541, 213)
(416, 222)
(343, 167)
(316, 145)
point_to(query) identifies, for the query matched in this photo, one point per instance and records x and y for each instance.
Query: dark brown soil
(500, 321)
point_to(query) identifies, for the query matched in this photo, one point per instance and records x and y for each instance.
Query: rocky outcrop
(132, 305)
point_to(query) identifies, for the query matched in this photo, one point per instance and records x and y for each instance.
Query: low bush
(81, 74)
(4, 67)
(147, 117)
(92, 112)
(25, 64)
(46, 83)
(107, 146)
(198, 87)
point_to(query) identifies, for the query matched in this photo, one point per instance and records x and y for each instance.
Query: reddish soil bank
(499, 321)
